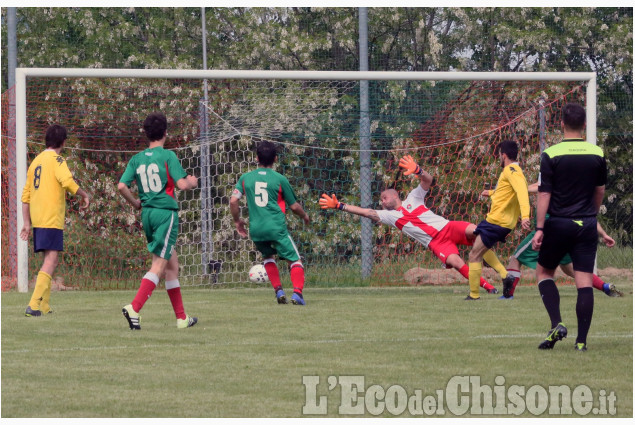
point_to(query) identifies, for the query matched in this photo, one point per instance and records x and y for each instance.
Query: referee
(571, 189)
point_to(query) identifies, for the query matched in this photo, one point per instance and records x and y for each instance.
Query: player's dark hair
(155, 126)
(573, 116)
(55, 136)
(266, 152)
(509, 148)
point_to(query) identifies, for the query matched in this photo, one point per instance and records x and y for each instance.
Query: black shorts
(45, 239)
(576, 236)
(491, 233)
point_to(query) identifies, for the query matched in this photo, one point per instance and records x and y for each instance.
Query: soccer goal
(336, 132)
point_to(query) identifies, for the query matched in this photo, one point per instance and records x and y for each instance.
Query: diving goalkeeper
(416, 220)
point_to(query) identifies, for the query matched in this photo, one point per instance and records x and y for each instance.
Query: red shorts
(445, 243)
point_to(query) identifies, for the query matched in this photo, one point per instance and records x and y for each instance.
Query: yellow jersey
(510, 198)
(47, 181)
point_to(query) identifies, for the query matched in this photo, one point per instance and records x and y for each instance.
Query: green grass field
(248, 355)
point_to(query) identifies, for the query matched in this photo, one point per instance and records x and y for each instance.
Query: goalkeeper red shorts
(446, 241)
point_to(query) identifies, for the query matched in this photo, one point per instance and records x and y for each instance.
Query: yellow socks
(495, 263)
(45, 305)
(475, 279)
(42, 284)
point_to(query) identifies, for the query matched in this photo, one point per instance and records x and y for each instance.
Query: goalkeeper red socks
(174, 292)
(148, 283)
(297, 277)
(273, 273)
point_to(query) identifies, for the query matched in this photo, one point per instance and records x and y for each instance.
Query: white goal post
(22, 74)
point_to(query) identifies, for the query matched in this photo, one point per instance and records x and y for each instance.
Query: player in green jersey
(527, 256)
(268, 193)
(157, 172)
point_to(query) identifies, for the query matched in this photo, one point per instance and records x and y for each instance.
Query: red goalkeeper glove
(410, 166)
(327, 202)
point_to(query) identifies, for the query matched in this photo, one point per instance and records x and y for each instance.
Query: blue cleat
(503, 297)
(297, 299)
(610, 290)
(281, 297)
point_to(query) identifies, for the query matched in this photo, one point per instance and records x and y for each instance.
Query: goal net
(326, 142)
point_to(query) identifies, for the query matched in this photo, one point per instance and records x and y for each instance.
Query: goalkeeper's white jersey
(414, 218)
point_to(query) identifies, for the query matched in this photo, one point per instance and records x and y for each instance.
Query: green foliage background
(400, 39)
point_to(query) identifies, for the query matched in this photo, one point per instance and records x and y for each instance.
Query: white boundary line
(294, 343)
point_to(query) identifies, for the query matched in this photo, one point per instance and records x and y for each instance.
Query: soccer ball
(258, 274)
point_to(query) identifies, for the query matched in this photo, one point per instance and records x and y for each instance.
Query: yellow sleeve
(519, 184)
(64, 176)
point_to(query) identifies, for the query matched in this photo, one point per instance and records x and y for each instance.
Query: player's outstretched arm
(331, 202)
(411, 167)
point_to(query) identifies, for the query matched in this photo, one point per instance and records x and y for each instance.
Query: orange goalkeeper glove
(410, 166)
(327, 202)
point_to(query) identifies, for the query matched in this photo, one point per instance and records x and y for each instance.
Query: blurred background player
(267, 193)
(412, 217)
(509, 201)
(44, 209)
(155, 171)
(527, 256)
(571, 189)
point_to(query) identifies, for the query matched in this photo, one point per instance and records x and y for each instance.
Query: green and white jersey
(156, 171)
(268, 194)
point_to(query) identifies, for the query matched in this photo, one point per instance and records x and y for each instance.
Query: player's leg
(492, 259)
(469, 233)
(555, 244)
(512, 279)
(475, 267)
(51, 261)
(456, 262)
(599, 284)
(584, 306)
(161, 228)
(50, 242)
(287, 249)
(173, 288)
(583, 256)
(524, 255)
(488, 235)
(149, 282)
(37, 304)
(445, 247)
(551, 300)
(268, 252)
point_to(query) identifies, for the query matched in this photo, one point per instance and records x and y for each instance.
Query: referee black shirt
(570, 171)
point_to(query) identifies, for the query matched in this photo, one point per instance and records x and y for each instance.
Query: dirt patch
(418, 276)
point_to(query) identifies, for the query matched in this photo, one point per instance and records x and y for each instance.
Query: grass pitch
(247, 355)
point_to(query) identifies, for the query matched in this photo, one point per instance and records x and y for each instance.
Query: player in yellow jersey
(44, 208)
(510, 200)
